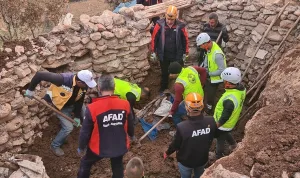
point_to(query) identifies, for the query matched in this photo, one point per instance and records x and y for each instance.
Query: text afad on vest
(201, 132)
(113, 119)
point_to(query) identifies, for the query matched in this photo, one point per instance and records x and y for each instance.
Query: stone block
(121, 32)
(21, 59)
(85, 40)
(21, 73)
(235, 7)
(80, 53)
(261, 54)
(274, 36)
(104, 59)
(5, 110)
(102, 48)
(91, 45)
(250, 8)
(118, 19)
(18, 102)
(261, 28)
(286, 24)
(14, 124)
(4, 137)
(95, 36)
(71, 39)
(107, 35)
(270, 19)
(256, 37)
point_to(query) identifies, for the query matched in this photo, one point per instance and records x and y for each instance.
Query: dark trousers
(164, 65)
(90, 158)
(224, 136)
(210, 91)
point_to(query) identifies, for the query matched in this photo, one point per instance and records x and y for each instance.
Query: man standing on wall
(106, 126)
(213, 29)
(169, 43)
(215, 63)
(66, 93)
(229, 107)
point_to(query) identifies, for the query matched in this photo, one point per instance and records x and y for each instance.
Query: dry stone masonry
(246, 22)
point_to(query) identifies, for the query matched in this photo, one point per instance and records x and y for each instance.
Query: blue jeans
(181, 111)
(186, 172)
(66, 127)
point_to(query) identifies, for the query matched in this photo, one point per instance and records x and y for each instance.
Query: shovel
(54, 109)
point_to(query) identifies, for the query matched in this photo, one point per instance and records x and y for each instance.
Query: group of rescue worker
(108, 122)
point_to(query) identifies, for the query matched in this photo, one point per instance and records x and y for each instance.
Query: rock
(235, 7)
(104, 59)
(244, 22)
(142, 24)
(137, 7)
(292, 17)
(262, 157)
(5, 110)
(91, 45)
(250, 8)
(127, 12)
(19, 50)
(10, 64)
(197, 13)
(95, 36)
(28, 135)
(101, 27)
(18, 142)
(269, 12)
(71, 39)
(96, 53)
(8, 50)
(260, 28)
(256, 37)
(143, 41)
(84, 18)
(284, 175)
(107, 35)
(4, 137)
(270, 19)
(21, 73)
(114, 66)
(21, 59)
(297, 12)
(85, 40)
(261, 54)
(102, 48)
(4, 172)
(6, 84)
(74, 49)
(286, 24)
(81, 53)
(250, 50)
(23, 110)
(14, 124)
(105, 19)
(110, 51)
(121, 32)
(8, 97)
(18, 102)
(118, 19)
(249, 15)
(238, 32)
(297, 175)
(17, 174)
(220, 172)
(274, 36)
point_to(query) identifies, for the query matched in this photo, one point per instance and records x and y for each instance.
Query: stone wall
(246, 22)
(115, 43)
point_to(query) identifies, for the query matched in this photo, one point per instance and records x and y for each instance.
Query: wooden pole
(54, 109)
(262, 78)
(263, 38)
(147, 133)
(281, 43)
(219, 37)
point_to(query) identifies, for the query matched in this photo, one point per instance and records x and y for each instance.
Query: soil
(271, 145)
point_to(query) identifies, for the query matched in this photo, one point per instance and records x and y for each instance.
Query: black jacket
(181, 39)
(193, 139)
(214, 32)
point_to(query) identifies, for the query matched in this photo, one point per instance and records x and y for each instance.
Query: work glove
(185, 57)
(153, 57)
(77, 122)
(29, 94)
(165, 155)
(80, 152)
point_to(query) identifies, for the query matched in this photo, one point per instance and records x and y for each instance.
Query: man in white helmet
(229, 107)
(214, 63)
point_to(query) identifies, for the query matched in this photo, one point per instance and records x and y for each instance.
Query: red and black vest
(110, 116)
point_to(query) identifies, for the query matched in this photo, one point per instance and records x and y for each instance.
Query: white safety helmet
(202, 38)
(232, 75)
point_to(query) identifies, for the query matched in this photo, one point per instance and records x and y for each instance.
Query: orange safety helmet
(171, 13)
(193, 102)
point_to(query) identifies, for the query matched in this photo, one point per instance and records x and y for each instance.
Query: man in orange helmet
(169, 43)
(193, 138)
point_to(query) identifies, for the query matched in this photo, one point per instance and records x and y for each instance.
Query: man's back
(197, 134)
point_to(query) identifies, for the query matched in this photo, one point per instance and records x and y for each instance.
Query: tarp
(147, 126)
(126, 4)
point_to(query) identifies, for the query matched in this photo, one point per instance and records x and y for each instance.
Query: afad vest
(189, 78)
(237, 97)
(211, 62)
(122, 88)
(60, 95)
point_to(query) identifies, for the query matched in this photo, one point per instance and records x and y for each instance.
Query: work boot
(172, 133)
(57, 151)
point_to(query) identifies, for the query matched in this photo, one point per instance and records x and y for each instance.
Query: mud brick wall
(246, 22)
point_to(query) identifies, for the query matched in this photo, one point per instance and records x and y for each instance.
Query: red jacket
(106, 127)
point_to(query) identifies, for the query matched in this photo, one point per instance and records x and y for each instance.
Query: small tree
(23, 16)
